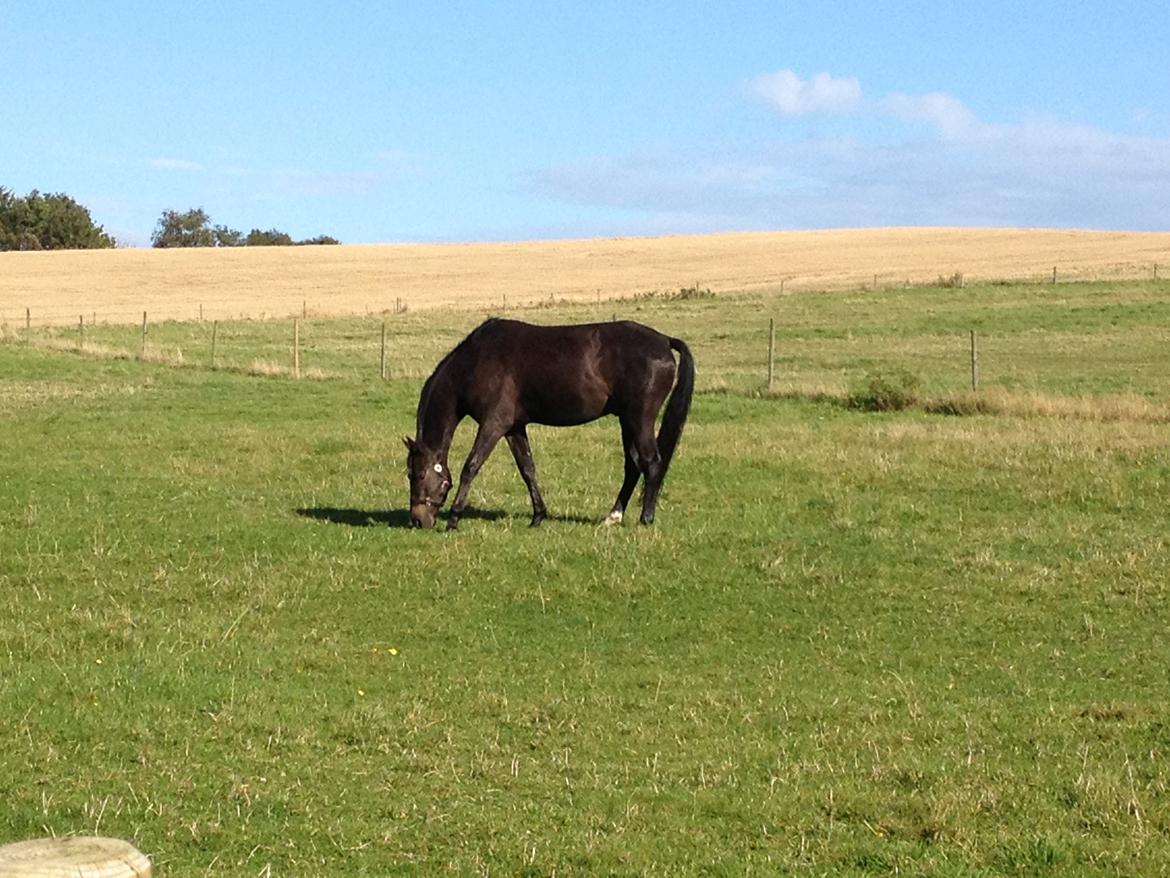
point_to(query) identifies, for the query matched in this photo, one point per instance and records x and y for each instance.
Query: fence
(14, 313)
(1068, 339)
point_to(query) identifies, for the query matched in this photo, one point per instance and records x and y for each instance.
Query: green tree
(225, 237)
(270, 238)
(194, 229)
(48, 222)
(190, 229)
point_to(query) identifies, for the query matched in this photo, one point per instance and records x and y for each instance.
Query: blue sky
(500, 121)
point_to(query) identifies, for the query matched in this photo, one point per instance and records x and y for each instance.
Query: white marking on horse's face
(439, 468)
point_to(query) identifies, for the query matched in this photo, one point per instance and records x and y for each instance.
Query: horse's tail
(678, 405)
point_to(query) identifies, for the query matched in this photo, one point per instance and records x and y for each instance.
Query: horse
(507, 374)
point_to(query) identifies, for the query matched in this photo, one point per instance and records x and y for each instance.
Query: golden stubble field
(119, 285)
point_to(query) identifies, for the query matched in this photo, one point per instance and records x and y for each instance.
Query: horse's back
(564, 374)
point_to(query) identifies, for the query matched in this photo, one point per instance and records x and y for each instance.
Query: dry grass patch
(1032, 404)
(269, 369)
(15, 394)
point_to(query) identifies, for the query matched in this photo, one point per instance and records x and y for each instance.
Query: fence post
(1054, 274)
(28, 319)
(771, 351)
(974, 363)
(81, 330)
(143, 351)
(214, 332)
(296, 348)
(383, 360)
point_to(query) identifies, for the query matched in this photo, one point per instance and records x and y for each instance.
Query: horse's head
(430, 480)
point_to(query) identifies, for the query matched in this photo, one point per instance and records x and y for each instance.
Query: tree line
(54, 221)
(194, 229)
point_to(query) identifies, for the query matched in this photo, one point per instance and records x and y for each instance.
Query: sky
(416, 122)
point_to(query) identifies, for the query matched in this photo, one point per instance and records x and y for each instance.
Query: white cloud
(793, 96)
(167, 164)
(329, 183)
(950, 115)
(1039, 173)
(790, 95)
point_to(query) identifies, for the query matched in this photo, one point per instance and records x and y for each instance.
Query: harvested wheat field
(119, 285)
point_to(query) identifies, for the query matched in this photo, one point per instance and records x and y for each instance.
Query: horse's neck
(437, 413)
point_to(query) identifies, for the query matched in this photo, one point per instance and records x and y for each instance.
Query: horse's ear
(408, 442)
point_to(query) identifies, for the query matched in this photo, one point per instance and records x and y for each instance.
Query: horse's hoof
(613, 518)
(452, 524)
(536, 520)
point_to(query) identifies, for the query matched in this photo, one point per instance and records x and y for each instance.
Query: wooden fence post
(142, 353)
(296, 348)
(80, 330)
(1054, 274)
(214, 331)
(28, 319)
(974, 363)
(383, 359)
(771, 351)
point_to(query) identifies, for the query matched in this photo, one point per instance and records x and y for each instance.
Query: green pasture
(853, 643)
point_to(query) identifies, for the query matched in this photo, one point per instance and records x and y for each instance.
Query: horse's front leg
(522, 452)
(485, 440)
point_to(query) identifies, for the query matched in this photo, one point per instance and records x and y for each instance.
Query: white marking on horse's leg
(615, 517)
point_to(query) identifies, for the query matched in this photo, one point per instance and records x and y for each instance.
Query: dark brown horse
(507, 375)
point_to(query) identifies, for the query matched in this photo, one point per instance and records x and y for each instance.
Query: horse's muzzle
(422, 515)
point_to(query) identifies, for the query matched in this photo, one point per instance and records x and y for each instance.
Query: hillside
(118, 285)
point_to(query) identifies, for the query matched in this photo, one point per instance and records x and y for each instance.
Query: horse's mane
(428, 388)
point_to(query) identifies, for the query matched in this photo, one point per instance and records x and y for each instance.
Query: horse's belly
(564, 408)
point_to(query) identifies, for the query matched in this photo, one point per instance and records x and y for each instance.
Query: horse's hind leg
(642, 457)
(632, 472)
(522, 452)
(485, 440)
(651, 463)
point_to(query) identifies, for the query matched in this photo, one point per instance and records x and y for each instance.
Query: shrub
(886, 391)
(693, 292)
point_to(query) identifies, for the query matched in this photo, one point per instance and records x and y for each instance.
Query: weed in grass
(886, 391)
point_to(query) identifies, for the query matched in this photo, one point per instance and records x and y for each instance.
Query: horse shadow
(401, 517)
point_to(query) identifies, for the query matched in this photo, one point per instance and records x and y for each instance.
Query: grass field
(852, 644)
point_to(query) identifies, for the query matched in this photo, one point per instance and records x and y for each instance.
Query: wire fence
(1046, 337)
(15, 314)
